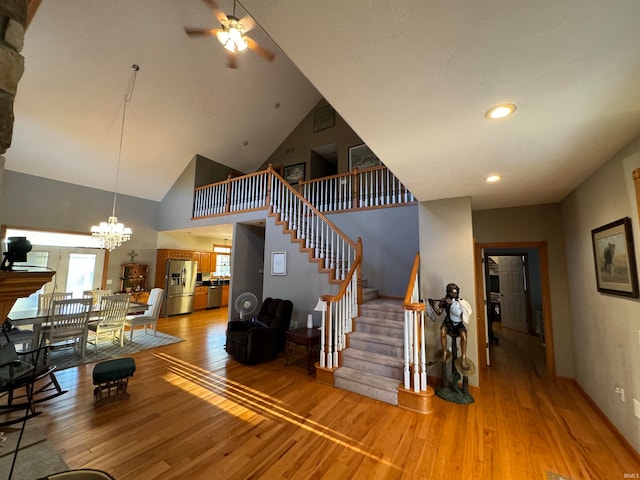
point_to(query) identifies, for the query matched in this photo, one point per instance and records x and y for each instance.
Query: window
(223, 261)
(77, 260)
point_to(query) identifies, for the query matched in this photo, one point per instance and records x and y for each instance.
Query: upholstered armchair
(264, 336)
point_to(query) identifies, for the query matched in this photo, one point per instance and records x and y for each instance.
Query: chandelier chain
(113, 233)
(127, 98)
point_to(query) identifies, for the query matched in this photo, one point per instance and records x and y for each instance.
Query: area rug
(66, 357)
(36, 457)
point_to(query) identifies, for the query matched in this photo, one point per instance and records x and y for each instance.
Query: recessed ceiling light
(500, 111)
(493, 178)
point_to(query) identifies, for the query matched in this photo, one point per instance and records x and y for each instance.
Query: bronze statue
(457, 315)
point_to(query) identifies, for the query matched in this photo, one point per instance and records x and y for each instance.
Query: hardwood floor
(195, 413)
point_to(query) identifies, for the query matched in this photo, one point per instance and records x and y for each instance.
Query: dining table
(36, 318)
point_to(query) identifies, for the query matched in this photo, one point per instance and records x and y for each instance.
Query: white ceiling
(412, 78)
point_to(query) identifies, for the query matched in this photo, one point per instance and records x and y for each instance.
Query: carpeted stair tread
(369, 294)
(367, 379)
(379, 322)
(386, 345)
(373, 363)
(372, 357)
(373, 338)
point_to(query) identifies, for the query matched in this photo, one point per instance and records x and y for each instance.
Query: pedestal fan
(246, 304)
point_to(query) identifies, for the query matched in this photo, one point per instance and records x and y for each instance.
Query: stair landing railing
(415, 358)
(357, 189)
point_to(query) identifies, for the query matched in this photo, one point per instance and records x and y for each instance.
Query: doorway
(515, 297)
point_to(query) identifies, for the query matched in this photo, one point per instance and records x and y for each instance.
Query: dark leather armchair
(263, 337)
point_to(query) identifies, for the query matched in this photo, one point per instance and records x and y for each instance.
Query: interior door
(513, 302)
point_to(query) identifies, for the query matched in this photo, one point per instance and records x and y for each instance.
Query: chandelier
(112, 233)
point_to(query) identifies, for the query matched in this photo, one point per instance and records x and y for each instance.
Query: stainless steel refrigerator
(180, 285)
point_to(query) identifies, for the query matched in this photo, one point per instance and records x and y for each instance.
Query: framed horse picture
(615, 259)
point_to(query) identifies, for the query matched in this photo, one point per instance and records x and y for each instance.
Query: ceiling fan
(231, 34)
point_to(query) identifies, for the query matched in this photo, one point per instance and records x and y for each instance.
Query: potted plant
(128, 284)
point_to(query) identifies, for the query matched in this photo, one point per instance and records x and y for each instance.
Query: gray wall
(446, 255)
(389, 244)
(539, 223)
(302, 284)
(36, 202)
(606, 328)
(247, 264)
(208, 172)
(296, 148)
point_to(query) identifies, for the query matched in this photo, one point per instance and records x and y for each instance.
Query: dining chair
(45, 299)
(68, 321)
(97, 293)
(150, 315)
(113, 310)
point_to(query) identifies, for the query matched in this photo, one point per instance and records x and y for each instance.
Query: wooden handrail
(348, 277)
(407, 304)
(311, 207)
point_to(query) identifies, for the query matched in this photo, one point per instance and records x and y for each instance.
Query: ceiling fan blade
(231, 60)
(201, 32)
(216, 10)
(247, 22)
(263, 52)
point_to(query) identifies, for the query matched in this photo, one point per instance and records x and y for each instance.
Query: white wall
(606, 328)
(446, 256)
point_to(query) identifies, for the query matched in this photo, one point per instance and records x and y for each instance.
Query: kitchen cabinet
(225, 296)
(205, 262)
(200, 298)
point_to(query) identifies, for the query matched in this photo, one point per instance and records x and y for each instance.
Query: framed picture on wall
(615, 259)
(361, 156)
(278, 263)
(294, 173)
(323, 118)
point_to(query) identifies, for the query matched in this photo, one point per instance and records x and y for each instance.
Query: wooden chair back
(69, 319)
(113, 310)
(97, 293)
(45, 299)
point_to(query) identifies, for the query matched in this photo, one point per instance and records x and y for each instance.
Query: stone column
(13, 20)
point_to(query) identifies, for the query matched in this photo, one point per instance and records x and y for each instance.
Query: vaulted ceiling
(412, 78)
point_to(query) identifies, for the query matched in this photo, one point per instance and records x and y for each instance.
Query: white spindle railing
(415, 358)
(337, 317)
(233, 195)
(319, 234)
(371, 187)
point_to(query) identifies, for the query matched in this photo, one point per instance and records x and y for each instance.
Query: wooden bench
(112, 378)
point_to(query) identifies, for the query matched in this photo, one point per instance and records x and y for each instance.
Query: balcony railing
(367, 188)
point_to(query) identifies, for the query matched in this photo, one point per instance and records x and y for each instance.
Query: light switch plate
(636, 408)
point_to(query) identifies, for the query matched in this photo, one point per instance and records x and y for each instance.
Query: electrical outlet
(620, 391)
(636, 408)
(109, 282)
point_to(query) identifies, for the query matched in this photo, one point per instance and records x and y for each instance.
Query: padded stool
(111, 378)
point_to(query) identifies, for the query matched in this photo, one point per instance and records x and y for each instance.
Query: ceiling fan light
(230, 45)
(241, 45)
(223, 37)
(235, 34)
